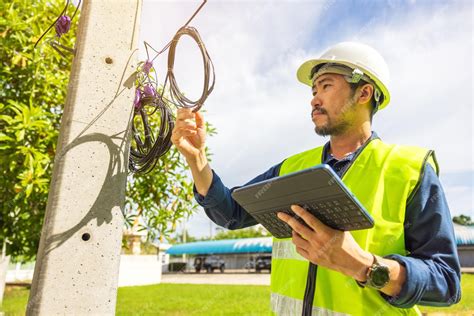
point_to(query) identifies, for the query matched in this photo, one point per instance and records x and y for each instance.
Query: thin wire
(186, 24)
(57, 19)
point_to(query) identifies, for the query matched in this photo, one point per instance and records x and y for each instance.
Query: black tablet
(318, 189)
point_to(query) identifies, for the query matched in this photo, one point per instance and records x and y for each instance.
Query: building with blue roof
(465, 241)
(225, 246)
(238, 252)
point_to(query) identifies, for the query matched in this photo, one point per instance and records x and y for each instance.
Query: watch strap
(362, 284)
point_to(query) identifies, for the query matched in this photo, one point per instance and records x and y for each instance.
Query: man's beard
(336, 128)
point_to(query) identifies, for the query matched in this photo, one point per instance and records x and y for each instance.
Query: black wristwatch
(378, 275)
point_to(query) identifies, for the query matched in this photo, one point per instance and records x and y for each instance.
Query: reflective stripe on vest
(284, 305)
(285, 249)
(383, 177)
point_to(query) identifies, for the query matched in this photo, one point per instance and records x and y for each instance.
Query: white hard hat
(357, 56)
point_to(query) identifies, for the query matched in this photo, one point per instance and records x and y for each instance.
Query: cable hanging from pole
(151, 133)
(177, 96)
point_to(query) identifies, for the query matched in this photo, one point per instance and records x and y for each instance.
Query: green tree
(179, 238)
(255, 231)
(32, 95)
(463, 220)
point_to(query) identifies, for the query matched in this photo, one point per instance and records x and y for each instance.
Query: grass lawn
(205, 299)
(193, 299)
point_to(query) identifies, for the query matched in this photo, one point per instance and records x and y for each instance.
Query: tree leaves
(32, 94)
(33, 86)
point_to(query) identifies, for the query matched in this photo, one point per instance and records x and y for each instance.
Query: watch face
(380, 276)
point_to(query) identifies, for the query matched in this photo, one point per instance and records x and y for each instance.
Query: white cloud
(262, 113)
(430, 56)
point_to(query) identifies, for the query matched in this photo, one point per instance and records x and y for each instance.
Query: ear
(365, 93)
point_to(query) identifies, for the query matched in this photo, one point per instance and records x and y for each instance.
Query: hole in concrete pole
(108, 60)
(86, 236)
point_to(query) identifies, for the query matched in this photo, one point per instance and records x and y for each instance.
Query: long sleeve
(222, 209)
(432, 265)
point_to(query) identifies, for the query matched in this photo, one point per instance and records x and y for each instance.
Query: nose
(315, 102)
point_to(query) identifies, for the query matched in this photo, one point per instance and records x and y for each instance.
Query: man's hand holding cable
(189, 133)
(337, 250)
(189, 137)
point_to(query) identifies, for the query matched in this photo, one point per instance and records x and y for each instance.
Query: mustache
(318, 109)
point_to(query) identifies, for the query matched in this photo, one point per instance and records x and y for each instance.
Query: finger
(199, 120)
(185, 110)
(188, 133)
(308, 218)
(178, 134)
(186, 129)
(186, 124)
(302, 252)
(183, 114)
(300, 241)
(295, 224)
(184, 117)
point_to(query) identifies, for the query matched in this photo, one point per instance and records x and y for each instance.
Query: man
(409, 257)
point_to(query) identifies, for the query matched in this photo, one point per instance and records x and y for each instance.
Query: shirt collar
(327, 156)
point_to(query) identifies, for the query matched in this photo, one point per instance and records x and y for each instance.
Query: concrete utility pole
(78, 259)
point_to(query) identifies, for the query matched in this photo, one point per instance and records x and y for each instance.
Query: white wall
(134, 270)
(139, 270)
(20, 273)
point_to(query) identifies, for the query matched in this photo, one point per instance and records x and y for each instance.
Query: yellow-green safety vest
(384, 178)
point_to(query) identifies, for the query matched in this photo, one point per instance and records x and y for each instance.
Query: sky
(262, 113)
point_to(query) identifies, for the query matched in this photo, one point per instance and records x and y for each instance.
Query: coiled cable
(177, 97)
(148, 149)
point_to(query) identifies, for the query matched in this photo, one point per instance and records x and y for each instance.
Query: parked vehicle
(263, 263)
(209, 263)
(198, 261)
(249, 265)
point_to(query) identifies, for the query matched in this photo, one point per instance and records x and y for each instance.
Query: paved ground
(228, 277)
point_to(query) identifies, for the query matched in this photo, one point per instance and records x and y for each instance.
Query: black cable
(310, 290)
(145, 151)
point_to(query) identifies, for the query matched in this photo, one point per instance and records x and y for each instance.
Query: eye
(326, 85)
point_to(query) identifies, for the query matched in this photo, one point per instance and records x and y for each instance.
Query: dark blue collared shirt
(432, 264)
